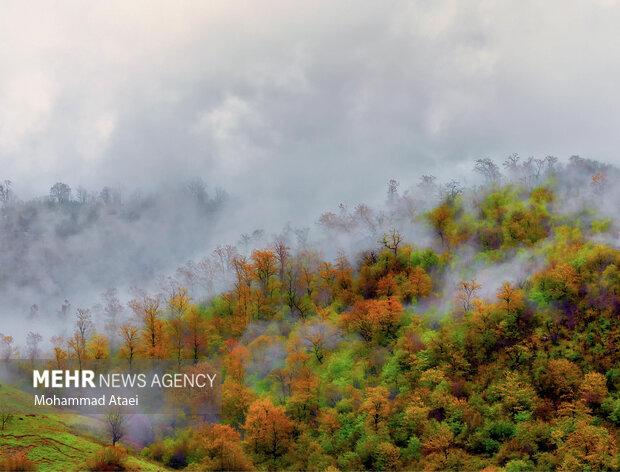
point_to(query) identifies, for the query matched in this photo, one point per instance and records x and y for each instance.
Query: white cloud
(292, 96)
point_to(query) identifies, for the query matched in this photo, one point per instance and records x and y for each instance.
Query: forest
(455, 327)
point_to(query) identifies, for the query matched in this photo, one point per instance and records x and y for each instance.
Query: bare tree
(245, 242)
(488, 169)
(296, 289)
(32, 345)
(115, 423)
(392, 190)
(83, 324)
(301, 236)
(428, 183)
(467, 292)
(281, 250)
(113, 309)
(453, 189)
(77, 342)
(130, 340)
(320, 337)
(366, 216)
(6, 416)
(198, 190)
(392, 241)
(512, 162)
(63, 312)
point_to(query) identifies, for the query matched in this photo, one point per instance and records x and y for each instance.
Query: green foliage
(601, 226)
(413, 451)
(427, 259)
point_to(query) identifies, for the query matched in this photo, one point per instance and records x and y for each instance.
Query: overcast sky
(300, 105)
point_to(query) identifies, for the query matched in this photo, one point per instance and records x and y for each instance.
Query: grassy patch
(49, 437)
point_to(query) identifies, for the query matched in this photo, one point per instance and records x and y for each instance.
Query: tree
(374, 318)
(516, 394)
(115, 424)
(77, 342)
(265, 268)
(388, 286)
(60, 354)
(428, 185)
(6, 415)
(243, 289)
(319, 337)
(113, 309)
(83, 324)
(467, 293)
(177, 337)
(441, 219)
(267, 429)
(488, 169)
(392, 241)
(593, 389)
(129, 342)
(98, 347)
(60, 193)
(6, 193)
(511, 299)
(7, 350)
(196, 333)
(178, 304)
(560, 379)
(236, 360)
(419, 284)
(198, 190)
(77, 349)
(236, 400)
(147, 310)
(588, 447)
(377, 408)
(453, 189)
(298, 288)
(82, 195)
(303, 405)
(32, 345)
(282, 255)
(223, 450)
(392, 191)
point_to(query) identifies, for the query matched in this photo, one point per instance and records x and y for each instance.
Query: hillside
(54, 441)
(465, 329)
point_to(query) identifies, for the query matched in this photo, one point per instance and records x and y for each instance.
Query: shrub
(179, 456)
(108, 458)
(17, 462)
(519, 465)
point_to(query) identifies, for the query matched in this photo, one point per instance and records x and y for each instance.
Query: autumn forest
(454, 327)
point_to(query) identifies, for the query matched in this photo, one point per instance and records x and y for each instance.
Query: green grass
(54, 441)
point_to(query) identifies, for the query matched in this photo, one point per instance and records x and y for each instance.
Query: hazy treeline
(69, 248)
(76, 243)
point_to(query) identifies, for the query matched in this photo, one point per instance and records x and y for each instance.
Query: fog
(298, 106)
(290, 108)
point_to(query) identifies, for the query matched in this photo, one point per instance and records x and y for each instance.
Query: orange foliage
(268, 429)
(372, 317)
